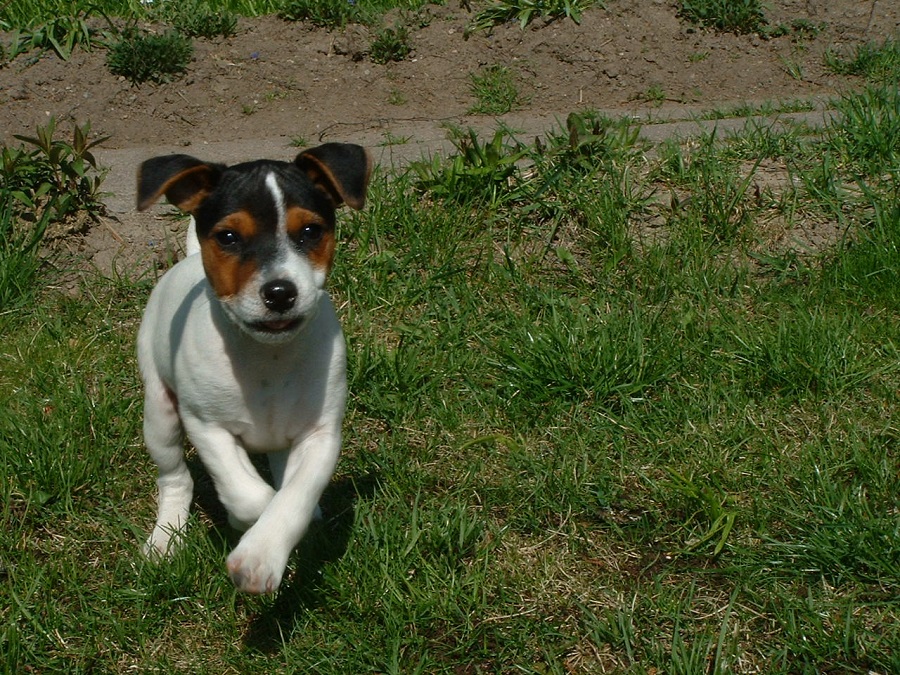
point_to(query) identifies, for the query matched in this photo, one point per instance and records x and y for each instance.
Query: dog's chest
(280, 406)
(271, 401)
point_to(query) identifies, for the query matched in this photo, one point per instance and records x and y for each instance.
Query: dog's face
(266, 228)
(267, 240)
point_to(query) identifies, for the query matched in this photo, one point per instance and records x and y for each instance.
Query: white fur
(191, 243)
(238, 393)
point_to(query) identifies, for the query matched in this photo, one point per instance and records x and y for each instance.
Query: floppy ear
(184, 180)
(342, 170)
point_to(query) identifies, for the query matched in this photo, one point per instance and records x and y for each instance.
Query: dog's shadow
(325, 542)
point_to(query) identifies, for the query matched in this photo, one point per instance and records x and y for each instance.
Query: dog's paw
(161, 543)
(255, 571)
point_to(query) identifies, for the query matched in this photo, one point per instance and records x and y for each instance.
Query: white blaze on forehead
(278, 197)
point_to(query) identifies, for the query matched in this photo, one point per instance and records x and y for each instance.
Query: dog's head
(266, 228)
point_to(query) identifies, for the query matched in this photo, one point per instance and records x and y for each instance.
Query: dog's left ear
(185, 180)
(342, 170)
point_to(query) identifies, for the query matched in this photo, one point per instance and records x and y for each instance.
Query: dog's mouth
(277, 326)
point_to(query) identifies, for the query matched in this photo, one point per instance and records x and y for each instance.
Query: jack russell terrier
(240, 347)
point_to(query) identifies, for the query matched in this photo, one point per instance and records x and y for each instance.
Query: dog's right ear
(184, 180)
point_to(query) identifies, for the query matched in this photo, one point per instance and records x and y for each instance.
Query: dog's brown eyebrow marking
(228, 272)
(322, 254)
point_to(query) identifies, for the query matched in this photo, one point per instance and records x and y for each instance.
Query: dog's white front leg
(278, 465)
(242, 491)
(257, 563)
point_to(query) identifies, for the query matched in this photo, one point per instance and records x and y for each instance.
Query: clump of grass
(19, 260)
(866, 134)
(321, 13)
(146, 57)
(875, 62)
(524, 12)
(479, 171)
(737, 16)
(198, 19)
(390, 44)
(655, 94)
(61, 34)
(495, 90)
(567, 352)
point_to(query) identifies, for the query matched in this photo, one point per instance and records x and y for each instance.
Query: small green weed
(526, 11)
(146, 57)
(390, 139)
(390, 44)
(655, 94)
(495, 90)
(711, 515)
(737, 16)
(793, 68)
(396, 97)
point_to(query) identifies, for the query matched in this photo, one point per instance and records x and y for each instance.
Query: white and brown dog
(240, 347)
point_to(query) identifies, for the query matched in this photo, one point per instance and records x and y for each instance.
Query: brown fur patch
(322, 254)
(226, 271)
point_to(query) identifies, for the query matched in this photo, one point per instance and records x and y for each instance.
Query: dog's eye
(228, 238)
(311, 234)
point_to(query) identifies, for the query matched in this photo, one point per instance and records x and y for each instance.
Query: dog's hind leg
(163, 436)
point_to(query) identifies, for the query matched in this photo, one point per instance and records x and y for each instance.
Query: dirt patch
(275, 84)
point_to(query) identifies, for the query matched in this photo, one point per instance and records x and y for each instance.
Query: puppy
(240, 347)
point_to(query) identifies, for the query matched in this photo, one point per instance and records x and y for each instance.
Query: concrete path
(413, 140)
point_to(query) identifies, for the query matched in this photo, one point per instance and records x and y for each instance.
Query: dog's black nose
(279, 295)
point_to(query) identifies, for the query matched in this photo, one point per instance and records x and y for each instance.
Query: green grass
(525, 12)
(334, 15)
(495, 89)
(148, 57)
(738, 16)
(766, 108)
(874, 61)
(606, 415)
(390, 44)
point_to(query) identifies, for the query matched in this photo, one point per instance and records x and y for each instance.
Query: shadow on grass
(325, 543)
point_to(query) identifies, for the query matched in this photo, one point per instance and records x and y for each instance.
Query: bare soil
(276, 84)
